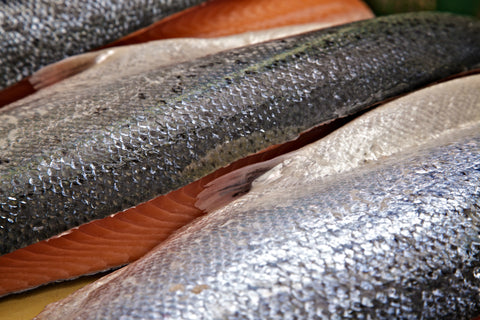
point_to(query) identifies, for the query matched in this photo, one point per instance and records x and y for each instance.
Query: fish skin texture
(404, 122)
(158, 131)
(397, 238)
(35, 33)
(114, 241)
(213, 18)
(107, 65)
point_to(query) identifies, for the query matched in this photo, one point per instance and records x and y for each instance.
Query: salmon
(211, 19)
(35, 33)
(224, 17)
(172, 128)
(130, 58)
(393, 235)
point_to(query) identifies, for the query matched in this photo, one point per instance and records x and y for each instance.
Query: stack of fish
(378, 219)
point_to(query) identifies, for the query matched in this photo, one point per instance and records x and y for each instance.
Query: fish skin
(102, 66)
(397, 238)
(35, 33)
(158, 131)
(219, 18)
(107, 249)
(405, 122)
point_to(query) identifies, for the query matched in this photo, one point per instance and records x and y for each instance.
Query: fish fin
(232, 185)
(66, 68)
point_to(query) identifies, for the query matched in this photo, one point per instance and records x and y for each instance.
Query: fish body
(158, 131)
(34, 34)
(213, 19)
(394, 238)
(404, 123)
(107, 246)
(224, 17)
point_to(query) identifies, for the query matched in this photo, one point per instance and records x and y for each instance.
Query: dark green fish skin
(76, 156)
(35, 33)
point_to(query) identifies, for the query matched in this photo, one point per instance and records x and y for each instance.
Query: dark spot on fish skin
(329, 42)
(272, 65)
(28, 195)
(250, 72)
(162, 101)
(299, 54)
(228, 80)
(4, 161)
(177, 89)
(99, 110)
(141, 95)
(203, 66)
(240, 62)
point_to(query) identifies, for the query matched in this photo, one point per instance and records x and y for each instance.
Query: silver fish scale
(35, 33)
(86, 154)
(399, 239)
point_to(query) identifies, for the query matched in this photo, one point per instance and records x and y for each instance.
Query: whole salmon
(35, 33)
(79, 155)
(394, 238)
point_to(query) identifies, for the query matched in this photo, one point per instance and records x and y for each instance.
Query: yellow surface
(28, 305)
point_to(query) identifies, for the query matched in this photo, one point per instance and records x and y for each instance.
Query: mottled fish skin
(85, 155)
(35, 33)
(107, 65)
(396, 239)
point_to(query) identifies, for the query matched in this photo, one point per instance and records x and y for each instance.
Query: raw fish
(396, 238)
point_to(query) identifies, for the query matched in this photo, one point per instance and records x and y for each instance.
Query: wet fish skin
(405, 122)
(219, 17)
(394, 239)
(157, 131)
(34, 33)
(27, 274)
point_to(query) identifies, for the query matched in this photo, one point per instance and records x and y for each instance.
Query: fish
(181, 123)
(223, 17)
(393, 236)
(382, 132)
(220, 17)
(35, 33)
(19, 273)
